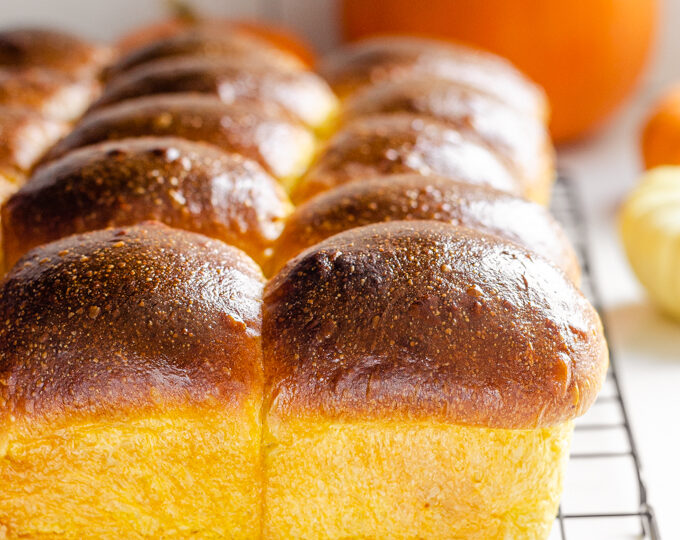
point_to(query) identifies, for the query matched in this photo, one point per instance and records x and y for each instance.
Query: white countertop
(646, 345)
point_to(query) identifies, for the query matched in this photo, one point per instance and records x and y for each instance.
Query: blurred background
(604, 63)
(315, 19)
(319, 22)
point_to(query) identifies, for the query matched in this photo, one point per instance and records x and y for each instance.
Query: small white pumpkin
(650, 230)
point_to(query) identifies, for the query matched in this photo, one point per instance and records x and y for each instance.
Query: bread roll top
(46, 91)
(207, 41)
(121, 321)
(41, 47)
(24, 136)
(7, 187)
(522, 139)
(402, 143)
(302, 93)
(399, 57)
(415, 197)
(426, 320)
(183, 184)
(257, 130)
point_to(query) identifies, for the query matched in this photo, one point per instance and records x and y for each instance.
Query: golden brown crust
(24, 135)
(46, 91)
(190, 186)
(520, 138)
(40, 47)
(415, 197)
(394, 57)
(429, 320)
(302, 93)
(7, 187)
(257, 130)
(403, 143)
(124, 320)
(205, 42)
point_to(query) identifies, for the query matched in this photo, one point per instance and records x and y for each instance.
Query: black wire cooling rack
(605, 495)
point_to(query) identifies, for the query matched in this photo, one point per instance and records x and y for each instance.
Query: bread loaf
(516, 136)
(186, 185)
(45, 48)
(259, 131)
(131, 388)
(206, 41)
(24, 135)
(414, 197)
(420, 381)
(302, 93)
(400, 57)
(414, 365)
(403, 143)
(46, 91)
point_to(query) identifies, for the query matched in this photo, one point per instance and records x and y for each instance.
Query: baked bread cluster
(47, 79)
(185, 353)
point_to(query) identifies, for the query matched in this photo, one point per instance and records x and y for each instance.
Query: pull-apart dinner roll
(186, 185)
(402, 143)
(520, 138)
(46, 91)
(207, 41)
(39, 47)
(24, 136)
(420, 382)
(415, 197)
(302, 93)
(400, 57)
(259, 131)
(131, 388)
(6, 189)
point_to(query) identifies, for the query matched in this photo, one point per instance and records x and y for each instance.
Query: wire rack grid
(604, 463)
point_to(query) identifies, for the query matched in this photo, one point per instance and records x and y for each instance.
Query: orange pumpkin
(281, 37)
(661, 135)
(587, 55)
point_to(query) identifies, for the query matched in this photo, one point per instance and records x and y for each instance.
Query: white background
(606, 167)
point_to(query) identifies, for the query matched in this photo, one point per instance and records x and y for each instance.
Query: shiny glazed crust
(125, 321)
(403, 143)
(301, 93)
(206, 41)
(393, 57)
(429, 320)
(186, 185)
(40, 47)
(46, 91)
(257, 130)
(414, 197)
(24, 136)
(7, 187)
(520, 138)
